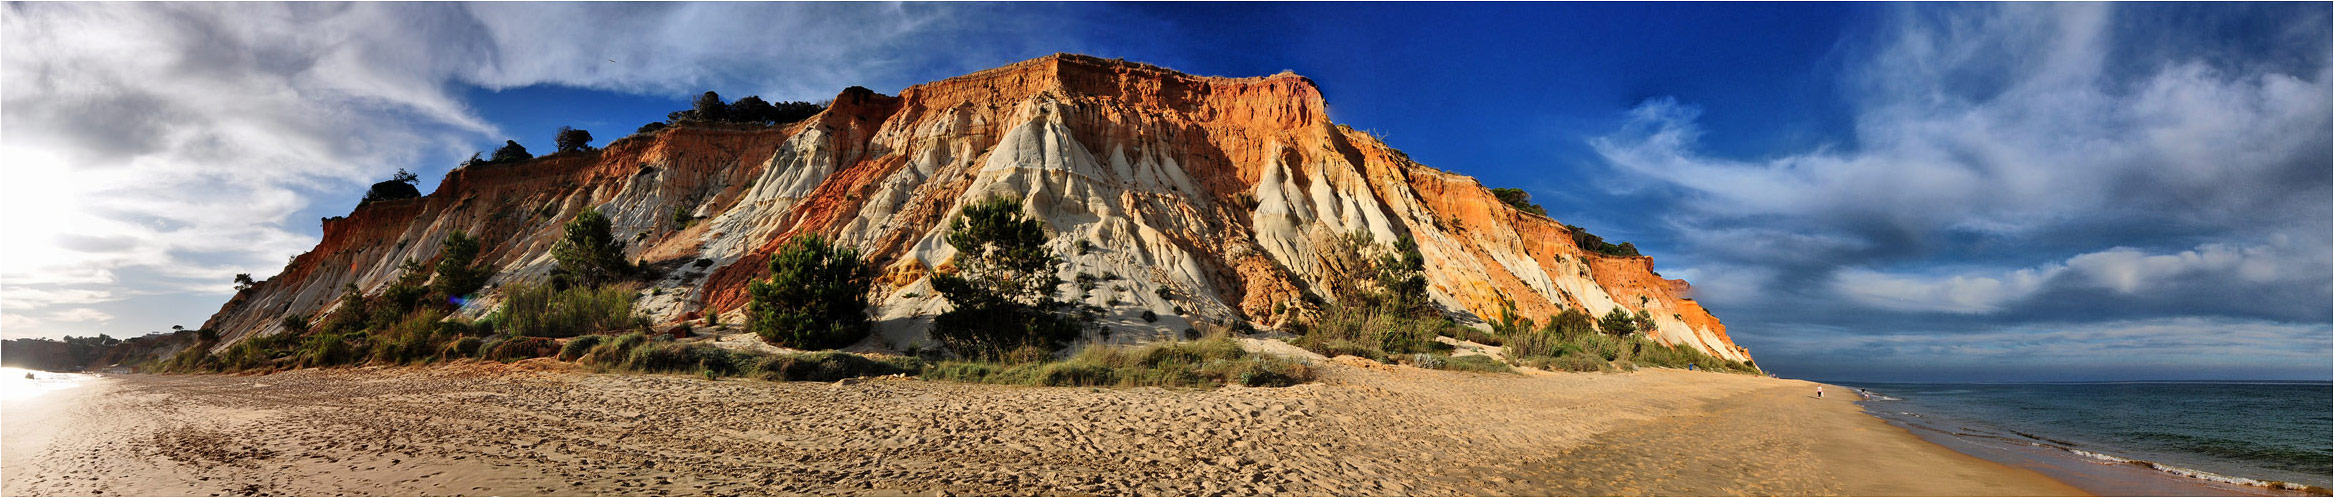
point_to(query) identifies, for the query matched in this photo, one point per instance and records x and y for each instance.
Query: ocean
(2226, 432)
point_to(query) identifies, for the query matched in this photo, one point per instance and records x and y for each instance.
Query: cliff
(1221, 190)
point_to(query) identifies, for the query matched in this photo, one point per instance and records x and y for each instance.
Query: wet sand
(543, 428)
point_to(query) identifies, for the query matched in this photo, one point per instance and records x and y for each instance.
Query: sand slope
(1366, 429)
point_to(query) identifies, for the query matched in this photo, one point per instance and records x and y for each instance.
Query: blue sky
(1916, 192)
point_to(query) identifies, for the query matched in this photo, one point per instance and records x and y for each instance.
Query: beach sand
(543, 428)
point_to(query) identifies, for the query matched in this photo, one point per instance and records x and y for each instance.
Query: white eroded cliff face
(1220, 191)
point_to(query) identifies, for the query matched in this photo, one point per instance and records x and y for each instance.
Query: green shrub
(456, 276)
(1536, 343)
(1382, 309)
(1521, 200)
(1373, 332)
(1265, 371)
(257, 352)
(1592, 243)
(536, 310)
(575, 348)
(680, 357)
(1473, 363)
(1205, 363)
(195, 358)
(1003, 285)
(1618, 323)
(1340, 347)
(828, 366)
(417, 337)
(1478, 336)
(588, 254)
(961, 371)
(466, 347)
(1569, 363)
(1647, 352)
(1607, 347)
(1073, 374)
(520, 348)
(816, 297)
(295, 323)
(326, 350)
(612, 353)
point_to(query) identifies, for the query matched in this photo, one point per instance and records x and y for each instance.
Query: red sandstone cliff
(1219, 189)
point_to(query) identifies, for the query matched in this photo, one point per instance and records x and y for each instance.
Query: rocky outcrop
(1212, 196)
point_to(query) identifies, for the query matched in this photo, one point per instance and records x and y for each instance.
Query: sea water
(2220, 431)
(18, 384)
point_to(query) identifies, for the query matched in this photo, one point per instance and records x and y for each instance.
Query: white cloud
(173, 141)
(1727, 285)
(2157, 348)
(2016, 132)
(47, 297)
(2120, 271)
(1983, 293)
(13, 325)
(80, 315)
(2044, 139)
(2130, 271)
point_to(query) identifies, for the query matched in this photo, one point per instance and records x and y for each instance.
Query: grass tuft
(1208, 362)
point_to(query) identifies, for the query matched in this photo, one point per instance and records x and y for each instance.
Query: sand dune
(539, 428)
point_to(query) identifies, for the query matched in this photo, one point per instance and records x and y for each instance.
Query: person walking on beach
(1818, 392)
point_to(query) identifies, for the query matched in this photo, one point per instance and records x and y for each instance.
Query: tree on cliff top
(816, 297)
(572, 140)
(710, 108)
(243, 281)
(1003, 285)
(511, 151)
(1592, 243)
(751, 109)
(1520, 199)
(589, 254)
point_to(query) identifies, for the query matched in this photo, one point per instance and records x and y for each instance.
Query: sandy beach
(544, 428)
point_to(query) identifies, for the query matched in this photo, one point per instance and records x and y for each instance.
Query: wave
(2107, 459)
(2193, 473)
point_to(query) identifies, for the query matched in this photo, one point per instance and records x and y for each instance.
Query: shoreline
(542, 427)
(2097, 473)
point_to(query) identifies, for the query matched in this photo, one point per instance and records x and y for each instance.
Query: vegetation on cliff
(70, 354)
(458, 274)
(1569, 342)
(589, 255)
(1381, 312)
(816, 297)
(1365, 297)
(1592, 243)
(1521, 200)
(572, 140)
(1002, 286)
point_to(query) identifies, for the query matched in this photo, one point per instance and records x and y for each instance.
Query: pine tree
(1003, 286)
(589, 254)
(816, 297)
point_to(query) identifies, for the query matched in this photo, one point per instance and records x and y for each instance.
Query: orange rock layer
(1219, 190)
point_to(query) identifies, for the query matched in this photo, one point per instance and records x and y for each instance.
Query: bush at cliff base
(816, 297)
(1209, 362)
(1003, 286)
(537, 310)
